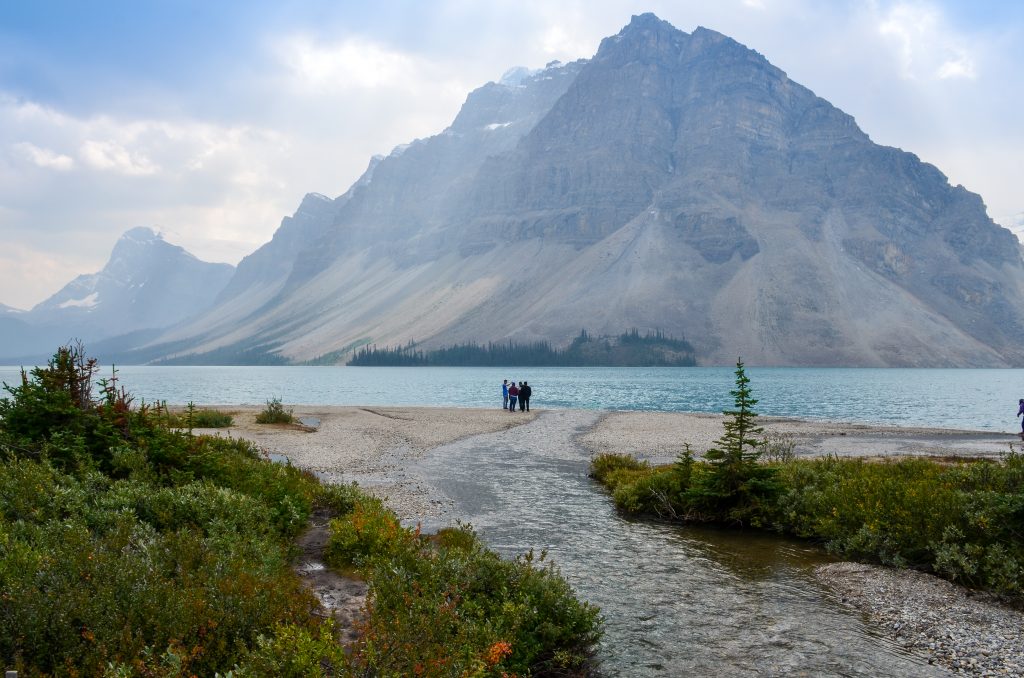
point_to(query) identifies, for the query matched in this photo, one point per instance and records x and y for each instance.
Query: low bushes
(448, 606)
(963, 521)
(211, 419)
(130, 548)
(275, 413)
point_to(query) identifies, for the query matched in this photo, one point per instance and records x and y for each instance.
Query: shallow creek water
(676, 601)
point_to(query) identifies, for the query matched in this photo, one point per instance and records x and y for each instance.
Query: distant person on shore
(504, 394)
(525, 391)
(1020, 411)
(513, 393)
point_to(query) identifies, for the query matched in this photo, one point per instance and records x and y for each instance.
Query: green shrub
(604, 464)
(456, 538)
(130, 548)
(80, 590)
(292, 651)
(194, 417)
(275, 413)
(451, 607)
(369, 531)
(961, 520)
(651, 491)
(211, 419)
(778, 447)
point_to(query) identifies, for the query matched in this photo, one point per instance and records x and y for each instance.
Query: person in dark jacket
(525, 391)
(1020, 411)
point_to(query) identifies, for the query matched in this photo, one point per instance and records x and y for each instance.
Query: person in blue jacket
(1020, 411)
(504, 394)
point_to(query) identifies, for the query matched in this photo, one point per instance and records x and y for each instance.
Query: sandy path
(370, 445)
(374, 445)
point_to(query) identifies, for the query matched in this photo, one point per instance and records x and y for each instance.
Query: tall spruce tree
(737, 486)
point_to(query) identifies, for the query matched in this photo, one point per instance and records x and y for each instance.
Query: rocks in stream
(964, 631)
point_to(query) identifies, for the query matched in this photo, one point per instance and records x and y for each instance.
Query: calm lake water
(950, 398)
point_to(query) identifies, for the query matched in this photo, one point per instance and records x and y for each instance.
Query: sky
(209, 121)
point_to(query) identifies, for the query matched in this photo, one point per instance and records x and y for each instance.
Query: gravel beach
(966, 633)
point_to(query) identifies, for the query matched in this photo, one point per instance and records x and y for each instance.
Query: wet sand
(362, 440)
(374, 446)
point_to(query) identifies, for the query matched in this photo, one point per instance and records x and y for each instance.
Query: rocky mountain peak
(137, 251)
(677, 182)
(645, 38)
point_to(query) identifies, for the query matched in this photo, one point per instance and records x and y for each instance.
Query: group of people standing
(512, 394)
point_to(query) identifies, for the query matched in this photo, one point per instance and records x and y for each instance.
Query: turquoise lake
(948, 398)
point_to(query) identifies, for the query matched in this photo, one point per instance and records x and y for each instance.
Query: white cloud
(926, 46)
(110, 155)
(350, 64)
(959, 67)
(218, 190)
(44, 157)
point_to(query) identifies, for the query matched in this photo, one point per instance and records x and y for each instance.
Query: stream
(676, 601)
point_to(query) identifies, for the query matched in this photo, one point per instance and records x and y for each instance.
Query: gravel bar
(966, 632)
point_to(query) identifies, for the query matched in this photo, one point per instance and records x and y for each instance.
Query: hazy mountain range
(674, 181)
(148, 284)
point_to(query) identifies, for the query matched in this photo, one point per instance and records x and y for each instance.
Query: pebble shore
(966, 632)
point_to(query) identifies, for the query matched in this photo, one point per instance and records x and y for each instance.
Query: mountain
(147, 283)
(675, 182)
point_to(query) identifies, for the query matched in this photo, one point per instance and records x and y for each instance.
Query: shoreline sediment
(953, 628)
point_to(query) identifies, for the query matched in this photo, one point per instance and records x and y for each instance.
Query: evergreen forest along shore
(959, 519)
(131, 547)
(629, 349)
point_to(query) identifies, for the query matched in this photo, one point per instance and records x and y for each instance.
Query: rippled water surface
(970, 399)
(676, 601)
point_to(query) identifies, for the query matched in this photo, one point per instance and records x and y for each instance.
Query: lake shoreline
(374, 445)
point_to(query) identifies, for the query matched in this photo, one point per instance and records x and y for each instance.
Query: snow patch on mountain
(89, 301)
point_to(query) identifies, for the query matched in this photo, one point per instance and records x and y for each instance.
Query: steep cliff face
(675, 181)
